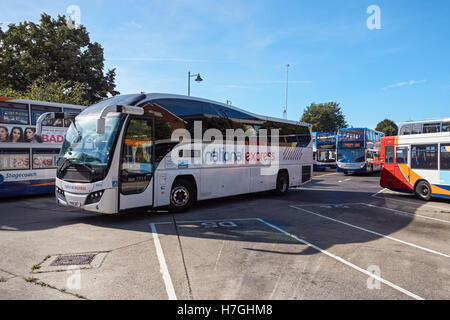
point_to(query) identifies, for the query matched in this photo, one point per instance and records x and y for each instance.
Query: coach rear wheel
(182, 195)
(282, 183)
(423, 190)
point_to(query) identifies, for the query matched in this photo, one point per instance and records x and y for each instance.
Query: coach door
(136, 168)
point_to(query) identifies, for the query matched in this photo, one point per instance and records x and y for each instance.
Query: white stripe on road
(424, 204)
(373, 232)
(162, 265)
(405, 213)
(412, 295)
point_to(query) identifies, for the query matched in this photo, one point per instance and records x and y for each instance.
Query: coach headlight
(60, 193)
(94, 197)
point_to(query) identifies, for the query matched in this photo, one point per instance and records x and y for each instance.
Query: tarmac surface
(338, 237)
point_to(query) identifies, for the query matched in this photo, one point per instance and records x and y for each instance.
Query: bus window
(37, 110)
(417, 128)
(67, 122)
(405, 130)
(424, 157)
(401, 155)
(431, 127)
(136, 166)
(389, 154)
(13, 113)
(14, 159)
(445, 157)
(446, 127)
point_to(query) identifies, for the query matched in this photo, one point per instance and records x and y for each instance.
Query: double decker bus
(28, 161)
(324, 147)
(424, 126)
(140, 151)
(358, 150)
(418, 164)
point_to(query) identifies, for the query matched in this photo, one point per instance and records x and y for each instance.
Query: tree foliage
(53, 52)
(324, 117)
(388, 127)
(58, 91)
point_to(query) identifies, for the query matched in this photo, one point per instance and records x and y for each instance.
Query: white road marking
(327, 204)
(392, 285)
(373, 232)
(199, 221)
(378, 196)
(162, 265)
(405, 213)
(315, 189)
(327, 174)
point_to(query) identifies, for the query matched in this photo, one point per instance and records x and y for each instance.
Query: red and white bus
(418, 164)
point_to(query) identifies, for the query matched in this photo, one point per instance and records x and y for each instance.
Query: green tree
(58, 91)
(388, 127)
(324, 117)
(53, 52)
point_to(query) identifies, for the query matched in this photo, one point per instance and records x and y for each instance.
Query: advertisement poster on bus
(24, 134)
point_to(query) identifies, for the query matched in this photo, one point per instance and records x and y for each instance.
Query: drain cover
(73, 260)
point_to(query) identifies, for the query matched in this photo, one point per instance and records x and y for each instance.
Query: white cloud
(404, 83)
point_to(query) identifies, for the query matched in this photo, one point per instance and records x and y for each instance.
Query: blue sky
(240, 48)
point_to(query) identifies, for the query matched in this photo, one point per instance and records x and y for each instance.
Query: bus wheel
(182, 195)
(282, 183)
(423, 190)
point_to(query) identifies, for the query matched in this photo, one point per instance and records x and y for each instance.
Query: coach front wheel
(182, 195)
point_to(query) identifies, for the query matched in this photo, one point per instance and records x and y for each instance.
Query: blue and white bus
(358, 150)
(28, 162)
(324, 148)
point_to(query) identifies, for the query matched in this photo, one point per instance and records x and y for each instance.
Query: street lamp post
(286, 102)
(198, 79)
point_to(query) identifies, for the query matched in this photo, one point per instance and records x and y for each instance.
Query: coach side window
(424, 157)
(389, 154)
(445, 156)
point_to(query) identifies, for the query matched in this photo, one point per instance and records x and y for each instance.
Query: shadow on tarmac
(41, 213)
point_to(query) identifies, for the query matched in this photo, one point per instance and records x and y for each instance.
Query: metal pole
(189, 83)
(286, 103)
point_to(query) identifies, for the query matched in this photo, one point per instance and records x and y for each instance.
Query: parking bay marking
(346, 204)
(379, 196)
(169, 285)
(373, 232)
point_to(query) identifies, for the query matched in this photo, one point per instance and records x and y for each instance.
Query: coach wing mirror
(101, 122)
(101, 125)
